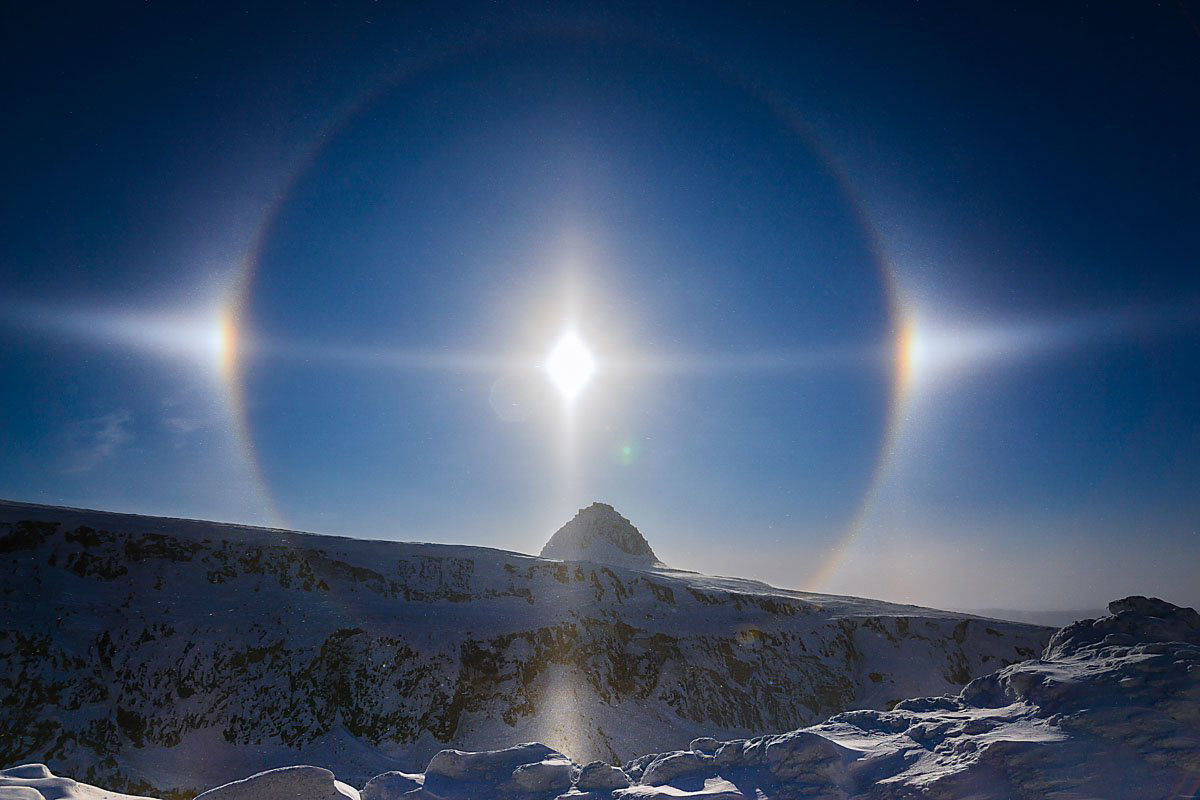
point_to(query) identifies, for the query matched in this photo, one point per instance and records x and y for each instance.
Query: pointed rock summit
(599, 533)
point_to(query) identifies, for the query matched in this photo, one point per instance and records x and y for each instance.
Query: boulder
(391, 785)
(669, 766)
(487, 765)
(598, 776)
(551, 775)
(803, 754)
(286, 783)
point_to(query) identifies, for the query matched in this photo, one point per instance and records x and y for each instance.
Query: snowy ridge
(161, 656)
(1111, 709)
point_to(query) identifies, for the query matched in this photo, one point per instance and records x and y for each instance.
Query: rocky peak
(599, 533)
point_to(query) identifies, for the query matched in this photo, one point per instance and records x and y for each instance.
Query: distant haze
(1053, 619)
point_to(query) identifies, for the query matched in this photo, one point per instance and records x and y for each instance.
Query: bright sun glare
(570, 365)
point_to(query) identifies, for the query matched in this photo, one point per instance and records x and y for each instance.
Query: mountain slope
(1111, 709)
(157, 655)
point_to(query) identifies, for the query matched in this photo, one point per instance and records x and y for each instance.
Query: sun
(570, 365)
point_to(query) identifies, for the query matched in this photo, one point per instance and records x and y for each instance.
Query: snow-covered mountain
(1111, 709)
(162, 656)
(599, 534)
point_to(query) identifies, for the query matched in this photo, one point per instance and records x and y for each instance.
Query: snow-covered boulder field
(1110, 710)
(162, 656)
(37, 782)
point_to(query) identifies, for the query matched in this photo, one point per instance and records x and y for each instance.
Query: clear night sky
(899, 300)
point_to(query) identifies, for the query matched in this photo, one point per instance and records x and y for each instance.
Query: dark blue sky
(897, 300)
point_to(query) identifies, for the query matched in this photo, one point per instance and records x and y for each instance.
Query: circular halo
(898, 327)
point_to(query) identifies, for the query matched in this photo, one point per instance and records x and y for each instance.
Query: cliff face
(159, 656)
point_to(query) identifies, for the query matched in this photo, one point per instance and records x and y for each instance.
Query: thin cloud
(94, 441)
(182, 425)
(183, 415)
